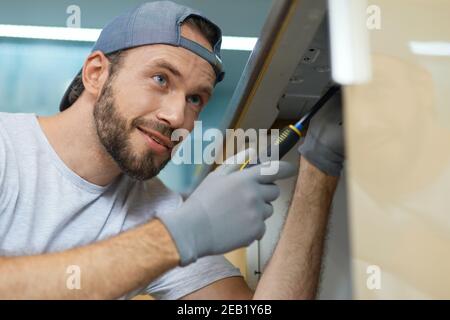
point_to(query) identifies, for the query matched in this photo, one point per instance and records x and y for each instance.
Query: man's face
(158, 88)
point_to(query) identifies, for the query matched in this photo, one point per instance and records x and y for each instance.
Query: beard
(115, 136)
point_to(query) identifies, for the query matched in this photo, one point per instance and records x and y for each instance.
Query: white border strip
(91, 35)
(350, 45)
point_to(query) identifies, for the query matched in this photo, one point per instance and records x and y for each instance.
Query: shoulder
(9, 146)
(8, 132)
(16, 127)
(10, 119)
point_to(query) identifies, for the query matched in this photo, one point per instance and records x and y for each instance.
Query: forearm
(294, 269)
(109, 268)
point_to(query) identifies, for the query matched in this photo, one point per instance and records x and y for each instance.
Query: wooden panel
(398, 146)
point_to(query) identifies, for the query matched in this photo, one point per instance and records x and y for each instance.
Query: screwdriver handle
(290, 134)
(286, 140)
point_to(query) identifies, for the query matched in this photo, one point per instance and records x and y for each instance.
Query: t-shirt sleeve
(182, 281)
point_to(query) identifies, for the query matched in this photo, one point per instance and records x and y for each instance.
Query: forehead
(188, 63)
(194, 34)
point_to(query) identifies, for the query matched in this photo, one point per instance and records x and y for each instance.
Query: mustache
(160, 127)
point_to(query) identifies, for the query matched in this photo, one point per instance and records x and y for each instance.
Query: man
(77, 189)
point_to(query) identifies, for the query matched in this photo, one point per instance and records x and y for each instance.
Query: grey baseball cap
(153, 23)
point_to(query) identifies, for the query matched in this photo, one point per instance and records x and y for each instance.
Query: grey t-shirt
(46, 207)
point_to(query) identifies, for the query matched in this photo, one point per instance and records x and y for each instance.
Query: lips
(157, 137)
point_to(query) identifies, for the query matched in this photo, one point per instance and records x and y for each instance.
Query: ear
(95, 73)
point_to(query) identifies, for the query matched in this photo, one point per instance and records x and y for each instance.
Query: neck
(73, 136)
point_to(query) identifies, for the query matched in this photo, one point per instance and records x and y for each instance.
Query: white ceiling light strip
(431, 48)
(91, 35)
(238, 43)
(49, 33)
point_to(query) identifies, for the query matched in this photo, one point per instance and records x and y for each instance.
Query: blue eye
(195, 99)
(161, 80)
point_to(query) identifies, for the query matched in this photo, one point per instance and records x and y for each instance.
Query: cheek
(189, 119)
(137, 98)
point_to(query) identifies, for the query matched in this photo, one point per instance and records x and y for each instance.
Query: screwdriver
(290, 134)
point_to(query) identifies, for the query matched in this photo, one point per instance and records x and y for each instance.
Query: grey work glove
(226, 211)
(324, 143)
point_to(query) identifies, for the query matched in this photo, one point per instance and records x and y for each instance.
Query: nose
(172, 110)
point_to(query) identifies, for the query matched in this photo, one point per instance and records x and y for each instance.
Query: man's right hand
(226, 211)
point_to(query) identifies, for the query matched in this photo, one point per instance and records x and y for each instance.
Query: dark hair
(210, 32)
(115, 58)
